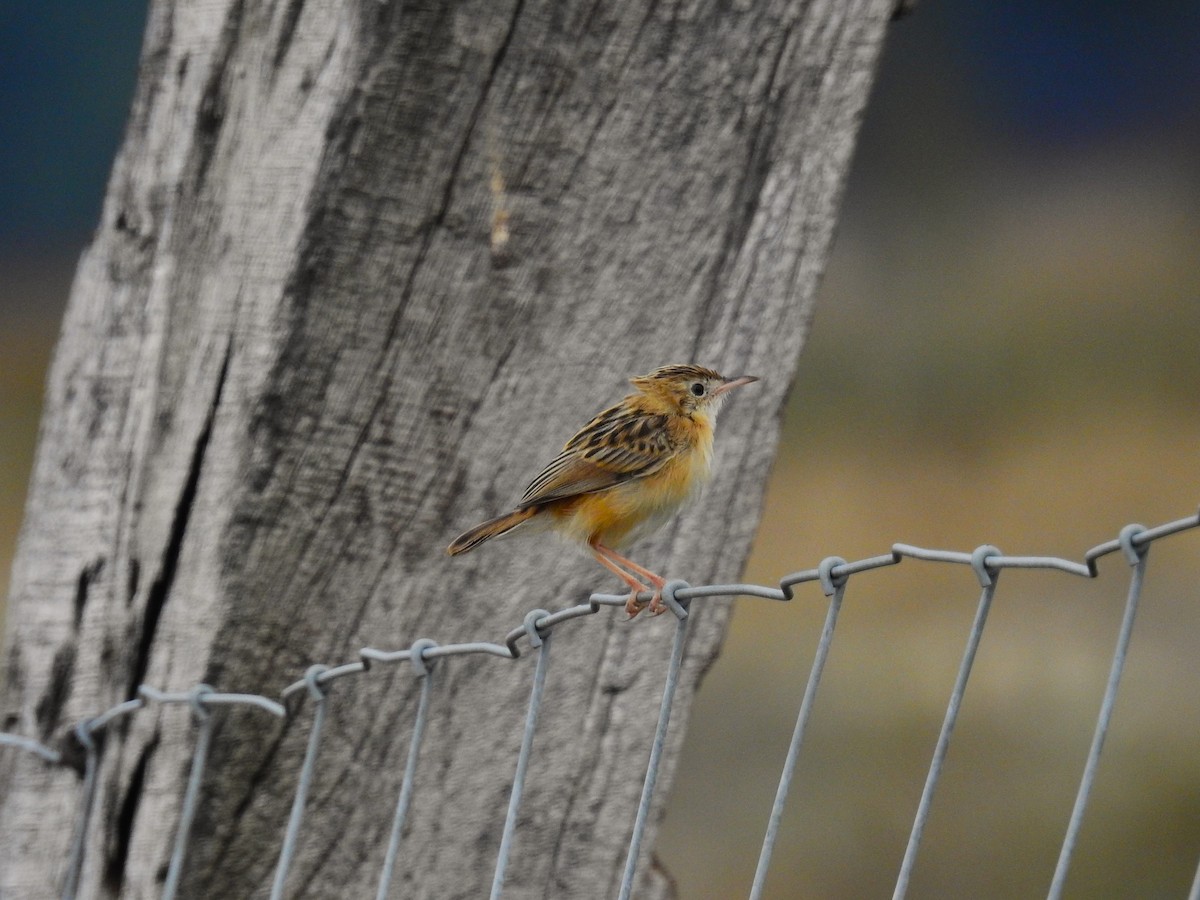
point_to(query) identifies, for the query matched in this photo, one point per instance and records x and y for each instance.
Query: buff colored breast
(620, 515)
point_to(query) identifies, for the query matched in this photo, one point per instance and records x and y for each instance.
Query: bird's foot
(656, 605)
(633, 605)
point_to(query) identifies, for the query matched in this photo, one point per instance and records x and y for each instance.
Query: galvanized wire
(83, 733)
(424, 671)
(199, 699)
(542, 643)
(833, 573)
(835, 593)
(988, 580)
(318, 696)
(37, 748)
(1136, 556)
(671, 597)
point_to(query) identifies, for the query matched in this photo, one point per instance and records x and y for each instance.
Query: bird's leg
(615, 562)
(632, 606)
(657, 580)
(657, 607)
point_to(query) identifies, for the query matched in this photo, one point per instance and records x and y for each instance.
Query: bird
(625, 473)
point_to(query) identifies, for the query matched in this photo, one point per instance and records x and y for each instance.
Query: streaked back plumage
(659, 437)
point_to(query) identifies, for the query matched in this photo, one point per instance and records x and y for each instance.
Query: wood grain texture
(295, 364)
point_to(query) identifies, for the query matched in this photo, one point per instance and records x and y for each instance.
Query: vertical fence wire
(542, 643)
(793, 753)
(1137, 558)
(191, 794)
(85, 735)
(87, 797)
(198, 699)
(287, 852)
(660, 733)
(425, 672)
(943, 741)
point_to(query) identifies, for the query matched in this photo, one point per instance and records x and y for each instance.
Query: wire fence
(537, 629)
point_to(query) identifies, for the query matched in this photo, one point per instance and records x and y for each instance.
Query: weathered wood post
(362, 266)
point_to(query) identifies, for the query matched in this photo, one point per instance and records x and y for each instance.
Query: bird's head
(687, 389)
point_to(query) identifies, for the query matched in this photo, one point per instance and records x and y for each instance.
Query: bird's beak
(734, 382)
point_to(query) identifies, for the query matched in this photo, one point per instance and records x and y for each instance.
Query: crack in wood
(287, 31)
(87, 575)
(122, 835)
(210, 114)
(160, 589)
(58, 689)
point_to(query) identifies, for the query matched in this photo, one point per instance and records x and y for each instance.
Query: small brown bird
(625, 472)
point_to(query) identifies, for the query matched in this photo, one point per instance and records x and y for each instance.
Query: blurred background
(1005, 351)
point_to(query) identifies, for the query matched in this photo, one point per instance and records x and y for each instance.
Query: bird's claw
(633, 605)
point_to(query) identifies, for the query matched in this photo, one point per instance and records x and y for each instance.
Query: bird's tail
(469, 540)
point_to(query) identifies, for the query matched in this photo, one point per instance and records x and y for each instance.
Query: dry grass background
(1034, 398)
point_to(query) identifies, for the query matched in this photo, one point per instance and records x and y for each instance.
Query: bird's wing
(616, 446)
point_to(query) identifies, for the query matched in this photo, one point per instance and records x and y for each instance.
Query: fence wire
(833, 574)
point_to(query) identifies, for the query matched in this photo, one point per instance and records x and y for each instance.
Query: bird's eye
(698, 389)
